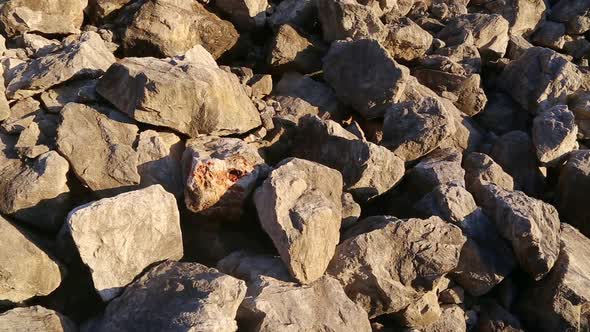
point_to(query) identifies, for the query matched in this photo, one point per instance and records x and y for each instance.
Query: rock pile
(294, 165)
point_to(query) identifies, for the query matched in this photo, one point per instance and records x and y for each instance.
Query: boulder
(395, 262)
(189, 96)
(368, 169)
(118, 237)
(502, 115)
(47, 17)
(22, 114)
(554, 134)
(80, 91)
(551, 35)
(164, 28)
(175, 296)
(98, 143)
(27, 271)
(299, 13)
(574, 182)
(568, 10)
(351, 211)
(540, 78)
(421, 313)
(245, 14)
(365, 76)
(524, 16)
(451, 202)
(406, 40)
(221, 173)
(289, 50)
(480, 170)
(101, 9)
(441, 167)
(299, 206)
(452, 318)
(341, 19)
(85, 55)
(579, 104)
(559, 302)
(35, 318)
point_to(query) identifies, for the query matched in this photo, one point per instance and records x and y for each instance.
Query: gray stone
(554, 134)
(550, 35)
(441, 167)
(406, 40)
(566, 10)
(81, 91)
(494, 318)
(574, 183)
(22, 114)
(55, 17)
(395, 263)
(35, 318)
(351, 211)
(451, 202)
(118, 237)
(480, 170)
(452, 318)
(37, 46)
(300, 13)
(490, 33)
(85, 55)
(289, 50)
(245, 14)
(299, 206)
(27, 271)
(421, 313)
(579, 103)
(100, 9)
(524, 16)
(341, 19)
(261, 85)
(502, 115)
(31, 142)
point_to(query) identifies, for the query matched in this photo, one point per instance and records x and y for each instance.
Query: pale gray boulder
(289, 50)
(480, 169)
(441, 167)
(451, 202)
(524, 16)
(47, 17)
(452, 318)
(22, 114)
(35, 318)
(79, 91)
(554, 134)
(573, 184)
(406, 40)
(351, 211)
(299, 13)
(341, 19)
(245, 14)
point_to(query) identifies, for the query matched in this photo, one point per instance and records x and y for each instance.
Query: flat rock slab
(118, 237)
(35, 318)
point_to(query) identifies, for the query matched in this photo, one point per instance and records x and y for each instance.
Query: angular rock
(163, 28)
(245, 14)
(118, 237)
(341, 19)
(188, 96)
(300, 13)
(299, 206)
(494, 317)
(453, 295)
(559, 302)
(502, 115)
(574, 183)
(480, 169)
(98, 143)
(47, 17)
(393, 264)
(441, 167)
(351, 211)
(566, 10)
(413, 129)
(452, 318)
(421, 313)
(100, 9)
(368, 169)
(37, 46)
(540, 78)
(406, 40)
(221, 173)
(35, 318)
(451, 202)
(31, 141)
(22, 114)
(550, 35)
(27, 271)
(85, 55)
(523, 15)
(364, 76)
(175, 296)
(291, 51)
(554, 134)
(579, 104)
(81, 91)
(530, 225)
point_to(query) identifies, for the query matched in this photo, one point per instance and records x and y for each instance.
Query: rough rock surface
(300, 207)
(480, 169)
(245, 14)
(159, 157)
(406, 40)
(175, 296)
(574, 182)
(341, 19)
(35, 318)
(47, 17)
(450, 201)
(292, 51)
(390, 266)
(441, 167)
(118, 237)
(554, 134)
(523, 15)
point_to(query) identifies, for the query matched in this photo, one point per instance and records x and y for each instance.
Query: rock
(4, 106)
(530, 225)
(450, 201)
(574, 182)
(85, 55)
(175, 296)
(30, 142)
(441, 167)
(101, 9)
(56, 17)
(159, 156)
(118, 237)
(490, 33)
(108, 164)
(421, 313)
(300, 13)
(35, 318)
(341, 19)
(368, 169)
(289, 50)
(163, 28)
(515, 153)
(221, 173)
(566, 10)
(554, 134)
(452, 318)
(364, 76)
(261, 85)
(37, 46)
(299, 206)
(22, 114)
(524, 16)
(27, 271)
(413, 129)
(559, 301)
(406, 40)
(81, 91)
(190, 97)
(495, 318)
(502, 115)
(579, 104)
(394, 264)
(480, 170)
(550, 35)
(486, 258)
(245, 14)
(453, 295)
(351, 211)
(517, 46)
(540, 78)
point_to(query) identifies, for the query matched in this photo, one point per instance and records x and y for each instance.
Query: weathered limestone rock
(579, 104)
(85, 55)
(261, 85)
(163, 28)
(22, 114)
(35, 318)
(221, 173)
(441, 167)
(530, 225)
(480, 169)
(540, 78)
(48, 17)
(81, 91)
(191, 97)
(118, 237)
(245, 14)
(364, 76)
(175, 296)
(99, 9)
(341, 19)
(32, 142)
(394, 263)
(291, 51)
(523, 15)
(502, 115)
(109, 162)
(567, 10)
(368, 169)
(26, 270)
(351, 211)
(451, 202)
(413, 129)
(299, 206)
(574, 183)
(299, 13)
(452, 318)
(550, 34)
(554, 134)
(406, 40)
(421, 313)
(559, 302)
